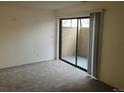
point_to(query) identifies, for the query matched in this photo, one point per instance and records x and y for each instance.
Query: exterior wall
(69, 41)
(83, 42)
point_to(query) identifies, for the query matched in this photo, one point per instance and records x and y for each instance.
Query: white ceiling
(53, 5)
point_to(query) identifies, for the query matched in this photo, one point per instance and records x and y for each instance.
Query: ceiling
(53, 5)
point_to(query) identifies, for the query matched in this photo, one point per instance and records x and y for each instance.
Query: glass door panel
(68, 33)
(82, 49)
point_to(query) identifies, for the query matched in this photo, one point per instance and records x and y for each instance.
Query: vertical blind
(94, 41)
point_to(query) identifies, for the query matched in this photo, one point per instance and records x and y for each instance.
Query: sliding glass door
(74, 41)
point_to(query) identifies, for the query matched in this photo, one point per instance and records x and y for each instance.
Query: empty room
(61, 46)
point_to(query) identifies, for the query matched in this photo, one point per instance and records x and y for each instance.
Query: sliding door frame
(60, 41)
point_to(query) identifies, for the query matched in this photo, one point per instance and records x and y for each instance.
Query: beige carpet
(48, 76)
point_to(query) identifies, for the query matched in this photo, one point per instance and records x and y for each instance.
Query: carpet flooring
(49, 76)
(81, 61)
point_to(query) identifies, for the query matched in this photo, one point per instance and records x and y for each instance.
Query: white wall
(112, 59)
(26, 35)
